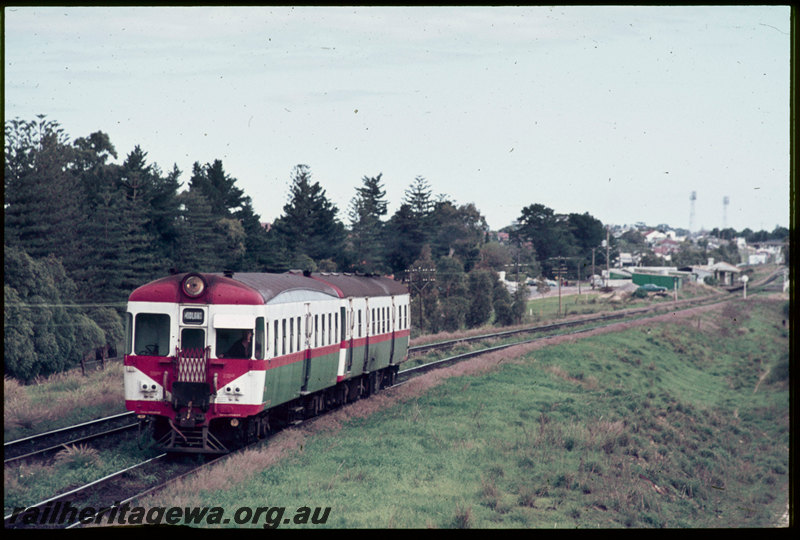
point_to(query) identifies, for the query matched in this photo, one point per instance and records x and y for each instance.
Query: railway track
(92, 502)
(43, 444)
(127, 485)
(586, 320)
(602, 317)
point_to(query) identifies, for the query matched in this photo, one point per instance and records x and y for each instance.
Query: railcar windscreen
(193, 338)
(151, 334)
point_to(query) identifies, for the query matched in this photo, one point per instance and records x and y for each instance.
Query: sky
(619, 111)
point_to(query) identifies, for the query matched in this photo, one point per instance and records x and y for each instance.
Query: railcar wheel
(374, 383)
(251, 429)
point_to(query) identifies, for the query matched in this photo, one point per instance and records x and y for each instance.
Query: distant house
(723, 272)
(653, 236)
(766, 252)
(628, 259)
(665, 248)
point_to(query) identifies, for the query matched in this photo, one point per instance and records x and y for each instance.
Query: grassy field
(678, 424)
(61, 400)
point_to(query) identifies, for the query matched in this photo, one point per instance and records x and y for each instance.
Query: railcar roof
(271, 285)
(352, 285)
(335, 285)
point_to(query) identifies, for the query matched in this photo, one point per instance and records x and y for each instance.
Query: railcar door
(368, 321)
(307, 349)
(351, 329)
(190, 385)
(393, 329)
(193, 328)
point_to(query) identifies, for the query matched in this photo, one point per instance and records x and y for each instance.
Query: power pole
(561, 270)
(608, 245)
(419, 278)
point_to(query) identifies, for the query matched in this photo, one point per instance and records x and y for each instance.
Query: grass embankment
(61, 400)
(683, 423)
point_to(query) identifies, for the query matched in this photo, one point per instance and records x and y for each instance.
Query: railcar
(214, 360)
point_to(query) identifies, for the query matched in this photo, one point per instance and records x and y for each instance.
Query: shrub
(639, 293)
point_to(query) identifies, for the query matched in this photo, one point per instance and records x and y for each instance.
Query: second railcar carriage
(215, 359)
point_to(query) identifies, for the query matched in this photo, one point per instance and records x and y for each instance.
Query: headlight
(194, 285)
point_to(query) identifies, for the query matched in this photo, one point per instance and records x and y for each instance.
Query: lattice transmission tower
(725, 202)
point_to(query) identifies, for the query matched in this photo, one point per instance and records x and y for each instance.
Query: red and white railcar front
(178, 376)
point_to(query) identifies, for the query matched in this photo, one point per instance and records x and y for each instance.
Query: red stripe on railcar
(216, 410)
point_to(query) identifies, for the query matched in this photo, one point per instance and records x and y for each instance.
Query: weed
(77, 457)
(463, 517)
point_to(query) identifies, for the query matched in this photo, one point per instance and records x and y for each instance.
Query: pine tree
(218, 187)
(309, 225)
(106, 264)
(420, 198)
(202, 246)
(366, 228)
(405, 236)
(44, 202)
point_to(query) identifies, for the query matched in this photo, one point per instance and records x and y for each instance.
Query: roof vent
(227, 273)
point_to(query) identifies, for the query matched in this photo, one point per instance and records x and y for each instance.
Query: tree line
(82, 232)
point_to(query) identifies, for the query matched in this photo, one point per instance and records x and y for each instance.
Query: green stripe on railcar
(283, 383)
(322, 372)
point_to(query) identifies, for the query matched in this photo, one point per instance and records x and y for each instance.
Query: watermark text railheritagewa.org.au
(269, 517)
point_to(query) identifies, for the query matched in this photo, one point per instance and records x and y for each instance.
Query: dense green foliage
(43, 331)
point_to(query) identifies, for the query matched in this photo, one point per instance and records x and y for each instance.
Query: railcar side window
(152, 334)
(359, 323)
(291, 335)
(128, 333)
(262, 338)
(298, 334)
(275, 339)
(316, 330)
(283, 336)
